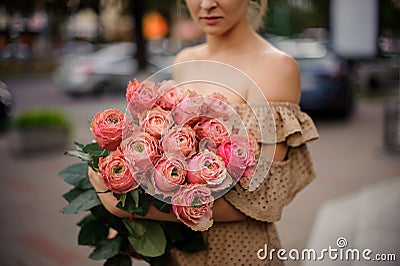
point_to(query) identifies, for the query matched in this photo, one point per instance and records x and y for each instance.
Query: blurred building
(84, 24)
(354, 28)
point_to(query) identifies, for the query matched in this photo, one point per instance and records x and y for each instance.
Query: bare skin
(233, 42)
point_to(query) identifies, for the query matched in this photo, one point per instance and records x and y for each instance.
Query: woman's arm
(222, 210)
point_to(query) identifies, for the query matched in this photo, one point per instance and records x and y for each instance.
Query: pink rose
(215, 106)
(141, 97)
(255, 150)
(170, 96)
(179, 141)
(141, 149)
(169, 174)
(211, 129)
(156, 122)
(107, 128)
(131, 89)
(117, 175)
(188, 109)
(254, 146)
(193, 206)
(237, 154)
(208, 168)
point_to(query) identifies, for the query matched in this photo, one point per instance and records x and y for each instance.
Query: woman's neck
(239, 38)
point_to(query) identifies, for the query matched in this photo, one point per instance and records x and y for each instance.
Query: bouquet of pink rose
(172, 148)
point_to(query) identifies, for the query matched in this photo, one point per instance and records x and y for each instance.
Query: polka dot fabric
(234, 243)
(283, 181)
(278, 122)
(237, 243)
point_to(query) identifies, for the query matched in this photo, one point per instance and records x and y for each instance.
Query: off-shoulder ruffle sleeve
(278, 122)
(286, 178)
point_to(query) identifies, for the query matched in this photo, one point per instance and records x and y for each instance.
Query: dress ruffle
(278, 122)
(286, 178)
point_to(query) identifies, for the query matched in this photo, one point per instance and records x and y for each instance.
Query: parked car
(16, 51)
(324, 76)
(6, 105)
(75, 48)
(109, 68)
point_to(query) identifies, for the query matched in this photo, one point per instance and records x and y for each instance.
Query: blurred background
(63, 61)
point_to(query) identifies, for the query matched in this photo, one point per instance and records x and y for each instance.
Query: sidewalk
(348, 157)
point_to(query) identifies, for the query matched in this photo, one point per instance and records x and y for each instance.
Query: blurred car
(6, 105)
(75, 48)
(109, 68)
(324, 76)
(17, 51)
(380, 73)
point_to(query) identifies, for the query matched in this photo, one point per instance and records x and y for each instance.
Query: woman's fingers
(96, 180)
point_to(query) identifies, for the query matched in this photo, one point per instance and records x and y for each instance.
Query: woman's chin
(213, 30)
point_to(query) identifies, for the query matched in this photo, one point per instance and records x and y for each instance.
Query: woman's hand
(96, 180)
(107, 198)
(222, 210)
(110, 202)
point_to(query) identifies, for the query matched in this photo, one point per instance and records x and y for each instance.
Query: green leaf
(78, 146)
(159, 261)
(152, 243)
(144, 203)
(127, 204)
(94, 164)
(76, 175)
(92, 233)
(85, 220)
(119, 260)
(113, 221)
(162, 206)
(80, 154)
(191, 246)
(83, 202)
(135, 197)
(173, 230)
(193, 240)
(183, 237)
(72, 194)
(122, 198)
(107, 249)
(141, 208)
(94, 150)
(136, 228)
(99, 211)
(85, 184)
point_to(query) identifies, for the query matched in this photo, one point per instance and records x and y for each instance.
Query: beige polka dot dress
(237, 243)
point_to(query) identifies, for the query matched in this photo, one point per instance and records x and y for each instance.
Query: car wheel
(75, 94)
(100, 88)
(5, 119)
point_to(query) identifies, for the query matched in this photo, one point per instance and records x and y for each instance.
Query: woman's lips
(211, 19)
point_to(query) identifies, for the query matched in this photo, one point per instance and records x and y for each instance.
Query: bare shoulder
(188, 54)
(278, 76)
(185, 55)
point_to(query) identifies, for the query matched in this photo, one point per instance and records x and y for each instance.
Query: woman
(243, 218)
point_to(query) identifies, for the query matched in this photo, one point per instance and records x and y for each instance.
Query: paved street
(348, 156)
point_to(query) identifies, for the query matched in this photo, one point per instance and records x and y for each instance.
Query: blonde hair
(255, 13)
